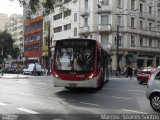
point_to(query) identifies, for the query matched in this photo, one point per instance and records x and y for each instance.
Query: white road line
(89, 104)
(134, 111)
(25, 94)
(27, 111)
(54, 98)
(136, 91)
(41, 83)
(1, 103)
(122, 98)
(39, 88)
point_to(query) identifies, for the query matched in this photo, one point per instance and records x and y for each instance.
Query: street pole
(118, 38)
(48, 49)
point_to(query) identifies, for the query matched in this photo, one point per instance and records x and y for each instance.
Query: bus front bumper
(90, 83)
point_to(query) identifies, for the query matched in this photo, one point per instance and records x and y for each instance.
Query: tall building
(63, 24)
(33, 35)
(3, 20)
(138, 23)
(15, 28)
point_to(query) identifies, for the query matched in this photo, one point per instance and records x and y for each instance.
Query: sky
(8, 7)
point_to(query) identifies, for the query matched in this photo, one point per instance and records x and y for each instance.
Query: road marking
(134, 111)
(25, 94)
(136, 91)
(89, 104)
(41, 83)
(27, 111)
(54, 98)
(1, 103)
(39, 88)
(121, 97)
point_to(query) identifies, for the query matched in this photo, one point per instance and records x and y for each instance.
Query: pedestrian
(119, 72)
(34, 70)
(129, 72)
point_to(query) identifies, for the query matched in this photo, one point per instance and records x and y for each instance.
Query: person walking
(129, 72)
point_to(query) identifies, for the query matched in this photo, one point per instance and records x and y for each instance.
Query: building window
(150, 42)
(150, 10)
(104, 39)
(105, 2)
(67, 27)
(86, 4)
(133, 41)
(85, 22)
(67, 13)
(119, 4)
(75, 32)
(75, 17)
(132, 4)
(141, 25)
(57, 29)
(150, 26)
(132, 22)
(119, 20)
(67, 1)
(141, 41)
(58, 16)
(141, 8)
(159, 12)
(104, 20)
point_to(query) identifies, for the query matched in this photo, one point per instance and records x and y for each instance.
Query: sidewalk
(13, 76)
(123, 77)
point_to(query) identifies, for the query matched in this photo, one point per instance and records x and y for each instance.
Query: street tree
(47, 6)
(6, 44)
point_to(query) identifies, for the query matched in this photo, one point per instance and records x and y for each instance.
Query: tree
(6, 44)
(47, 5)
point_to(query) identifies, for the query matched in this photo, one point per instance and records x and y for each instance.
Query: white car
(153, 90)
(31, 67)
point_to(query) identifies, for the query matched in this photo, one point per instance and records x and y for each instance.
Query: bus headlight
(56, 75)
(91, 76)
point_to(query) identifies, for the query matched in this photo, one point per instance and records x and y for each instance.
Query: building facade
(33, 35)
(138, 24)
(15, 28)
(4, 19)
(62, 24)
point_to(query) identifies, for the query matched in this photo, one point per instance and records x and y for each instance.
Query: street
(35, 96)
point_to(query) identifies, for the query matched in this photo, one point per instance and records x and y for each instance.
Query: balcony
(84, 29)
(104, 28)
(105, 9)
(151, 16)
(142, 15)
(84, 12)
(147, 48)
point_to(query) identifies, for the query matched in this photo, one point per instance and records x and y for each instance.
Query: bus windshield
(74, 59)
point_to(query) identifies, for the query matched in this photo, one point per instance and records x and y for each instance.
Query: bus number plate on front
(73, 85)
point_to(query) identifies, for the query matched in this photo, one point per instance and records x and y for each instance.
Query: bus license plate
(73, 85)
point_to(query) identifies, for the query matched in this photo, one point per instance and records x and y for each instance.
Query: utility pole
(118, 38)
(48, 49)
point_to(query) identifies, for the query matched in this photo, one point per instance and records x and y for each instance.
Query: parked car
(143, 75)
(33, 69)
(153, 90)
(10, 69)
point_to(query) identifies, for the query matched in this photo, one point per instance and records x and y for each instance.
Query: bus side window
(98, 59)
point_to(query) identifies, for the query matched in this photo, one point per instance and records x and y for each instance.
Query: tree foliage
(47, 6)
(6, 44)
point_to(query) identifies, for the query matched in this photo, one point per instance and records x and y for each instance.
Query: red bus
(80, 63)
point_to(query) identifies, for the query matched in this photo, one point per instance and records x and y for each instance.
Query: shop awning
(131, 58)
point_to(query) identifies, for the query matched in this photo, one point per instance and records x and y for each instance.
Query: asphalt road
(35, 98)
